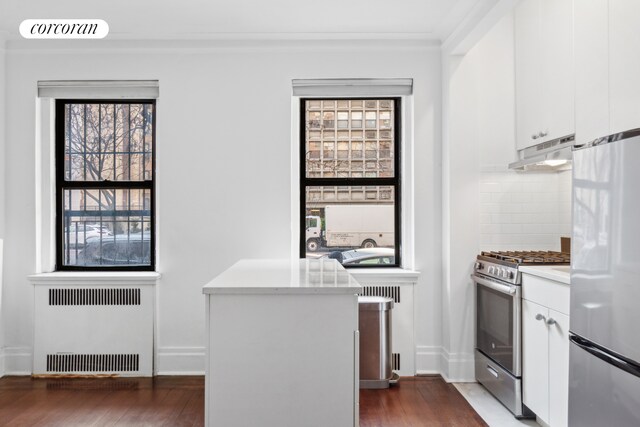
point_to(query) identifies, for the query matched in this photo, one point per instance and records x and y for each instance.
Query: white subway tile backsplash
(492, 208)
(524, 211)
(501, 218)
(489, 187)
(511, 228)
(532, 228)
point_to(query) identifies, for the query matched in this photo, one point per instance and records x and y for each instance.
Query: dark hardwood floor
(179, 401)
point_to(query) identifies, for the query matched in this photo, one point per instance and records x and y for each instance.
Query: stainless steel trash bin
(375, 341)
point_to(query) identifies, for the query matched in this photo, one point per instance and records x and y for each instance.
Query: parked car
(369, 256)
(121, 249)
(77, 233)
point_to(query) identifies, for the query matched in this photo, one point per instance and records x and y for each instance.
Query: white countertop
(277, 276)
(558, 273)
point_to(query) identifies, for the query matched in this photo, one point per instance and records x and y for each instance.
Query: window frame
(395, 181)
(61, 184)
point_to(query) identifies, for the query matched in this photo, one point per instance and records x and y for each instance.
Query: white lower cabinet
(545, 357)
(535, 359)
(558, 369)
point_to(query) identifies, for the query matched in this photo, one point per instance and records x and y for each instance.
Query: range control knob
(491, 269)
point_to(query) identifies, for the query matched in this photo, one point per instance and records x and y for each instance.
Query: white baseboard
(428, 360)
(458, 367)
(180, 361)
(17, 361)
(454, 367)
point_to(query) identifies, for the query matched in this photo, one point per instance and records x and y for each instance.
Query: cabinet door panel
(527, 61)
(535, 359)
(591, 50)
(557, 72)
(624, 64)
(558, 369)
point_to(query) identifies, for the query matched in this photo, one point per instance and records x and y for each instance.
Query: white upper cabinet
(624, 65)
(592, 69)
(527, 63)
(544, 71)
(607, 42)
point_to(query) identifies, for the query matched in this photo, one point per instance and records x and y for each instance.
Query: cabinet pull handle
(492, 371)
(551, 321)
(540, 317)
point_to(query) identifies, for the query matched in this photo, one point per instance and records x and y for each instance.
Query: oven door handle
(505, 289)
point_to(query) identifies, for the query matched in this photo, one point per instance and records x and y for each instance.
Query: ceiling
(203, 19)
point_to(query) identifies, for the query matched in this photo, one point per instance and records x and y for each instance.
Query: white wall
(485, 205)
(479, 117)
(2, 199)
(223, 160)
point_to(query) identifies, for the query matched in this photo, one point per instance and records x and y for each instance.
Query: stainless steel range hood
(550, 156)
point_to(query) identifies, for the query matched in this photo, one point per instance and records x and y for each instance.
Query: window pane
(329, 120)
(354, 224)
(106, 227)
(108, 142)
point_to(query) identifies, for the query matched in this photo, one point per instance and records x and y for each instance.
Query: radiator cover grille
(90, 326)
(93, 362)
(395, 361)
(89, 296)
(382, 291)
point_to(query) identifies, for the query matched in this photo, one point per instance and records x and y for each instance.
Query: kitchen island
(282, 345)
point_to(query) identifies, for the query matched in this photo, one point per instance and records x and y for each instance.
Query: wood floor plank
(179, 402)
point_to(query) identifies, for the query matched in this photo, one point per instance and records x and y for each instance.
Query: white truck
(351, 226)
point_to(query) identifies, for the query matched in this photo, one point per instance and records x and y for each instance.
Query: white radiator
(87, 329)
(402, 342)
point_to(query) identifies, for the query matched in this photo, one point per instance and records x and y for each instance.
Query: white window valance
(352, 87)
(99, 89)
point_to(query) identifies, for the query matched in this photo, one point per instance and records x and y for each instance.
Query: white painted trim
(4, 36)
(96, 278)
(428, 360)
(180, 361)
(424, 37)
(482, 17)
(458, 367)
(20, 46)
(386, 275)
(18, 360)
(453, 367)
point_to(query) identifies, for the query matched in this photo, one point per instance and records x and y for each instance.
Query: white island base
(282, 345)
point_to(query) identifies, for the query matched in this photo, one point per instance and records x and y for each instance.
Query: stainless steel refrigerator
(604, 358)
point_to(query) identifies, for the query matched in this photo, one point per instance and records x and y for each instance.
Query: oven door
(498, 322)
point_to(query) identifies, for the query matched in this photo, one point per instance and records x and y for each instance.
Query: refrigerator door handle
(606, 356)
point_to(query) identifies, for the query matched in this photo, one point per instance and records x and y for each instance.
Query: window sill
(95, 278)
(385, 275)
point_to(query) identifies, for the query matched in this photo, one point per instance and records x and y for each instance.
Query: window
(350, 180)
(105, 184)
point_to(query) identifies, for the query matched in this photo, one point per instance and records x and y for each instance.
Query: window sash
(394, 181)
(62, 185)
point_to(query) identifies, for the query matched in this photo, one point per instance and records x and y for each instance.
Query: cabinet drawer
(548, 293)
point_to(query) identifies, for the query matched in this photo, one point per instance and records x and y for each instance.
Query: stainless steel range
(498, 355)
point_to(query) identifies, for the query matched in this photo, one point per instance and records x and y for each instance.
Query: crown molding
(197, 46)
